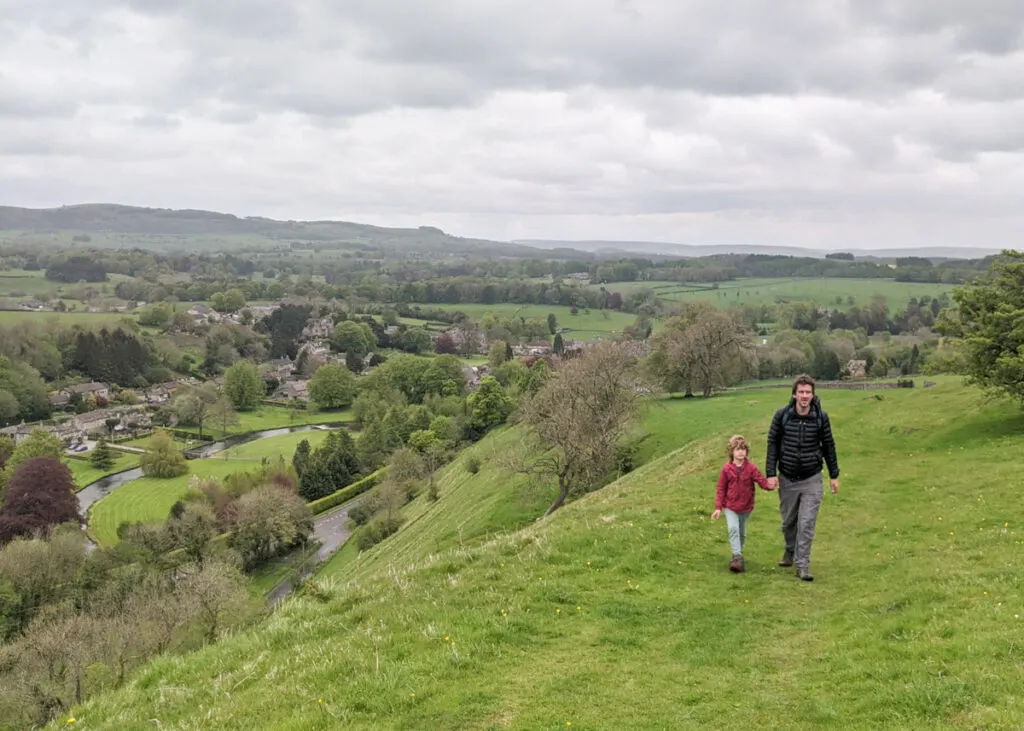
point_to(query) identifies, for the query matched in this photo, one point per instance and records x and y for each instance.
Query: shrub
(378, 529)
(473, 464)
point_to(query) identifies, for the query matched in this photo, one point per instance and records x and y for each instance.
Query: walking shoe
(737, 564)
(804, 575)
(787, 560)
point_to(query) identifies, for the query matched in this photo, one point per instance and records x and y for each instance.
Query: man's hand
(716, 515)
(835, 486)
(773, 483)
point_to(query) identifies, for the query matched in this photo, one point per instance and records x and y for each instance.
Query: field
(273, 448)
(583, 326)
(150, 498)
(914, 620)
(823, 291)
(277, 417)
(85, 474)
(14, 317)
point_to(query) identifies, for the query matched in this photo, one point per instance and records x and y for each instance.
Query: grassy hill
(618, 612)
(118, 226)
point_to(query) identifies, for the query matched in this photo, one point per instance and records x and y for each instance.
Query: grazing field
(584, 325)
(22, 283)
(824, 291)
(89, 319)
(914, 620)
(150, 499)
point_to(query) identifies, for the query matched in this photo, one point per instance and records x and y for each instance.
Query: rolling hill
(618, 612)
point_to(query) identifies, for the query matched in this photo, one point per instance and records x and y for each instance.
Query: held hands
(716, 515)
(835, 486)
(773, 483)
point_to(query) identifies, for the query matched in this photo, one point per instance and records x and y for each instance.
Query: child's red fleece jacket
(736, 486)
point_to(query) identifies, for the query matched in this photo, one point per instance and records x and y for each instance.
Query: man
(799, 439)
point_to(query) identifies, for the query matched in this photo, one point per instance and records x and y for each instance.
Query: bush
(378, 529)
(473, 464)
(163, 459)
(347, 493)
(361, 513)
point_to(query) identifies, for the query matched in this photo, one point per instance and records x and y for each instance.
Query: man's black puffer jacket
(798, 449)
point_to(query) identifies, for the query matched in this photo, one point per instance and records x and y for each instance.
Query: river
(330, 528)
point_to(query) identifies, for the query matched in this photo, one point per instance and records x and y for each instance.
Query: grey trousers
(798, 505)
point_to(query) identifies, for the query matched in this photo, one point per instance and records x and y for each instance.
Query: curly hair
(737, 442)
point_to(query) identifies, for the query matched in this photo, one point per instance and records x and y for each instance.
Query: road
(331, 530)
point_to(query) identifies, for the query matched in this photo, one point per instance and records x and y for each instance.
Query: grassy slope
(618, 612)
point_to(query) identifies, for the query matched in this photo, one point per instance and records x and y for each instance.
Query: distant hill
(125, 226)
(634, 248)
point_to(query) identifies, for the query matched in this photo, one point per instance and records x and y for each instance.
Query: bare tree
(702, 348)
(580, 415)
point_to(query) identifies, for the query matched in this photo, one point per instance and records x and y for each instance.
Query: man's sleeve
(774, 432)
(828, 447)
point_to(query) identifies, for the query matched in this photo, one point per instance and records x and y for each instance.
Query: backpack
(788, 414)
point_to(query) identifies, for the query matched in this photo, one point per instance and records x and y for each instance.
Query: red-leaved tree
(40, 495)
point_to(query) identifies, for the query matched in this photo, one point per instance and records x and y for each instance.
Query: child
(736, 496)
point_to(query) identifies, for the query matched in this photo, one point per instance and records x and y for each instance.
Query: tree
(987, 323)
(488, 406)
(222, 414)
(333, 386)
(552, 323)
(102, 458)
(192, 530)
(332, 466)
(702, 348)
(192, 406)
(300, 460)
(40, 495)
(496, 353)
(445, 344)
(40, 443)
(353, 337)
(558, 348)
(243, 385)
(163, 459)
(268, 522)
(579, 417)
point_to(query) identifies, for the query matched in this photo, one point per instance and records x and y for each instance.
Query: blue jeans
(737, 524)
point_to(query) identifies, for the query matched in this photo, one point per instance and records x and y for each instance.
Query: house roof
(90, 387)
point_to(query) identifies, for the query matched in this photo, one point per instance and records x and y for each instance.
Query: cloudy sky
(860, 123)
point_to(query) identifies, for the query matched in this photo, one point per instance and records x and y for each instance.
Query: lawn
(618, 612)
(85, 474)
(823, 290)
(150, 498)
(273, 448)
(585, 325)
(277, 417)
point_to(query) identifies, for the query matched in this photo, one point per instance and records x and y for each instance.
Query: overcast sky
(832, 123)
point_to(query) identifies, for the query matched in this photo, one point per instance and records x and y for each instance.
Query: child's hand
(716, 515)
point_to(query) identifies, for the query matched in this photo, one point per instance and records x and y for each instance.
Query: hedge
(348, 492)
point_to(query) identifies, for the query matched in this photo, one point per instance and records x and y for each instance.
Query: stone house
(318, 329)
(293, 391)
(857, 368)
(94, 388)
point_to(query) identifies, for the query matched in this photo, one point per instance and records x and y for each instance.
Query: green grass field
(85, 474)
(618, 612)
(822, 290)
(277, 417)
(273, 448)
(150, 498)
(14, 317)
(582, 325)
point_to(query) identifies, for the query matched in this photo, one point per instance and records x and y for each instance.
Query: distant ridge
(697, 250)
(125, 221)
